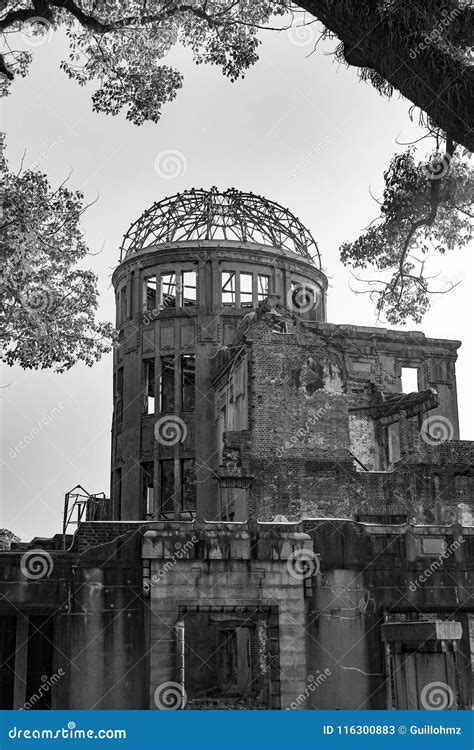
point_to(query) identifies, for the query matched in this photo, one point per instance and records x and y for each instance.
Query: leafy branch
(425, 207)
(48, 309)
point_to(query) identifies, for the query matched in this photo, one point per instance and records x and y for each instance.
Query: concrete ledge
(433, 630)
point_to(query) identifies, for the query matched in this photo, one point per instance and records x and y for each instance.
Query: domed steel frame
(215, 215)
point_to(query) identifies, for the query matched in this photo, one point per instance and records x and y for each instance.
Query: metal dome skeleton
(215, 215)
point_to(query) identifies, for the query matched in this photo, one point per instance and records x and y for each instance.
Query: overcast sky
(299, 129)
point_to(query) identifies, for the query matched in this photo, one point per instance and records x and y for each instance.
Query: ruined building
(290, 516)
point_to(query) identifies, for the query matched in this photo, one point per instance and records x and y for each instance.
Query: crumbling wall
(298, 416)
(312, 394)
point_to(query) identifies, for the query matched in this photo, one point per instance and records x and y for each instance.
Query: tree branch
(393, 45)
(5, 70)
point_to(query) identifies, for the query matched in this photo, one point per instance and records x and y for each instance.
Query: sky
(299, 129)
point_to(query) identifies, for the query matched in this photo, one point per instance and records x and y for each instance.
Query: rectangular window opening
(39, 660)
(188, 382)
(188, 485)
(119, 393)
(150, 301)
(228, 657)
(149, 386)
(167, 384)
(188, 288)
(147, 472)
(234, 503)
(123, 305)
(166, 480)
(409, 380)
(222, 426)
(246, 290)
(168, 290)
(228, 288)
(393, 442)
(263, 287)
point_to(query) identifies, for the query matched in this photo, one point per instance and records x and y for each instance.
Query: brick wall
(301, 434)
(98, 536)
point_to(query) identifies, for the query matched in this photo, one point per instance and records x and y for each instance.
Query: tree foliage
(422, 49)
(122, 45)
(425, 208)
(48, 304)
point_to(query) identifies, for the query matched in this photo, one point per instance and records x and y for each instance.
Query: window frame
(171, 285)
(249, 301)
(261, 296)
(149, 389)
(165, 361)
(183, 286)
(150, 301)
(170, 475)
(182, 484)
(185, 385)
(408, 372)
(233, 292)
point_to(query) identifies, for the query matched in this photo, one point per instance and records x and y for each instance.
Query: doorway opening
(231, 658)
